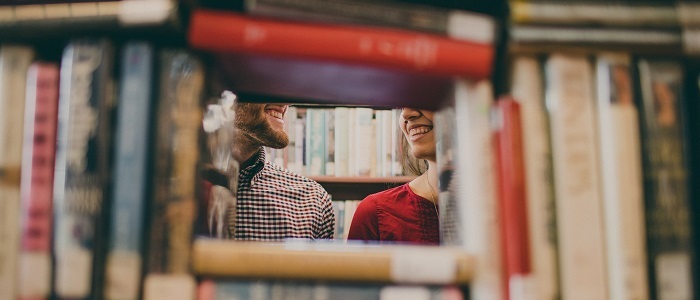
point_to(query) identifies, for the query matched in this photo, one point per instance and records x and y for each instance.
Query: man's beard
(252, 124)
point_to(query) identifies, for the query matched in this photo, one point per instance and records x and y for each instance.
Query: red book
(41, 114)
(221, 31)
(512, 196)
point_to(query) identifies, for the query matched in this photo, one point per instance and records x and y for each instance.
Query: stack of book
(650, 25)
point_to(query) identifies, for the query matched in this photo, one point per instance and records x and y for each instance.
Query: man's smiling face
(262, 123)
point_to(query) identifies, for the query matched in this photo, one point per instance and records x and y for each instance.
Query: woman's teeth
(420, 130)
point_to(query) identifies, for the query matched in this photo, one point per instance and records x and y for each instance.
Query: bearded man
(274, 203)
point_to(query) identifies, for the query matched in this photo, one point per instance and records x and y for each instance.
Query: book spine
(341, 141)
(300, 146)
(124, 260)
(363, 142)
(82, 166)
(571, 102)
(40, 121)
(430, 19)
(331, 262)
(475, 215)
(596, 14)
(35, 18)
(173, 205)
(283, 290)
(403, 50)
(512, 199)
(316, 141)
(621, 179)
(14, 63)
(330, 142)
(668, 219)
(290, 152)
(527, 89)
(670, 38)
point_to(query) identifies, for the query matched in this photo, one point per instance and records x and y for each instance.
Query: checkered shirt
(275, 204)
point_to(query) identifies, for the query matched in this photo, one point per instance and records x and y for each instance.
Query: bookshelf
(356, 187)
(264, 76)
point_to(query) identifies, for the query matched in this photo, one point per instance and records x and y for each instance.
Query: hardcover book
(81, 180)
(37, 18)
(512, 198)
(393, 49)
(469, 217)
(454, 23)
(570, 104)
(667, 203)
(295, 290)
(130, 180)
(528, 89)
(39, 150)
(621, 179)
(14, 63)
(332, 261)
(173, 205)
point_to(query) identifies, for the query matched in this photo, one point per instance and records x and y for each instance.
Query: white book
(387, 148)
(621, 168)
(527, 88)
(290, 119)
(363, 142)
(341, 141)
(477, 223)
(14, 63)
(351, 142)
(329, 142)
(571, 102)
(395, 136)
(315, 141)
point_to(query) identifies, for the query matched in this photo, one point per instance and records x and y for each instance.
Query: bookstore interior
(349, 149)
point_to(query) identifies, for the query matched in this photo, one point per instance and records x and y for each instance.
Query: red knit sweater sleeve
(365, 225)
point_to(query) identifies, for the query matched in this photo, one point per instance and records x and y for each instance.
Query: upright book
(39, 151)
(621, 179)
(14, 63)
(173, 206)
(512, 199)
(130, 179)
(571, 103)
(667, 203)
(527, 88)
(469, 217)
(82, 169)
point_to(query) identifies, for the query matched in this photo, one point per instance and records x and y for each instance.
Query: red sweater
(397, 215)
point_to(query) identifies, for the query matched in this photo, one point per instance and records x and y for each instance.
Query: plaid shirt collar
(251, 173)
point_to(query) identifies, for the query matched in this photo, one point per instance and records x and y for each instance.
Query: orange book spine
(391, 48)
(512, 196)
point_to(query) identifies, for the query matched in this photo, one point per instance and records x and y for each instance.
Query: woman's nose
(409, 113)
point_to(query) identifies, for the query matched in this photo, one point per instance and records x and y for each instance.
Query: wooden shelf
(358, 187)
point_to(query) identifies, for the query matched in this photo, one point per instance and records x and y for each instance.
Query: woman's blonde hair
(410, 166)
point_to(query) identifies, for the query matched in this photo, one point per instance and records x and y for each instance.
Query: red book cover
(41, 114)
(512, 196)
(221, 31)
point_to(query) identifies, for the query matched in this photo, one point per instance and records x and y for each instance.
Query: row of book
(341, 141)
(658, 26)
(585, 174)
(98, 169)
